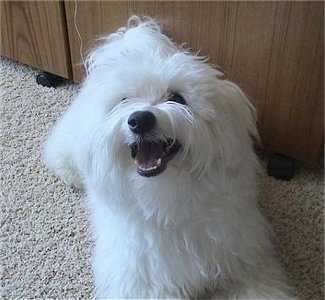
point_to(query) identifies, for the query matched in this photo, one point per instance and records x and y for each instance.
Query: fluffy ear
(235, 125)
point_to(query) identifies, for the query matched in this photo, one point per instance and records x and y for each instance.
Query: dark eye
(175, 97)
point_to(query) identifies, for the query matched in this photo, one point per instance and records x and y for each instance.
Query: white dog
(163, 146)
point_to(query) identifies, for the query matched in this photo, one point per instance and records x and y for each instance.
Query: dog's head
(163, 108)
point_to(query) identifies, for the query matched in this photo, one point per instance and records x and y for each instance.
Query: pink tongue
(148, 154)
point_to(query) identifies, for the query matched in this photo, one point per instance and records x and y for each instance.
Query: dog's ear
(234, 126)
(237, 107)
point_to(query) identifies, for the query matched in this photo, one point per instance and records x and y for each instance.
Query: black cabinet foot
(281, 167)
(48, 79)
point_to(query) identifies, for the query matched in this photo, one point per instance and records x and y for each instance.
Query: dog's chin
(152, 156)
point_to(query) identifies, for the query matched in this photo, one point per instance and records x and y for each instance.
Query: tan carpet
(45, 239)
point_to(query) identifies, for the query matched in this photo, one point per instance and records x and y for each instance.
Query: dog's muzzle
(150, 154)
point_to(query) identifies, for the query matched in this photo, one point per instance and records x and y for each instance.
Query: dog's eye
(175, 97)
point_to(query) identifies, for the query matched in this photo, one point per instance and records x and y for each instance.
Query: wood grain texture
(293, 113)
(34, 32)
(273, 50)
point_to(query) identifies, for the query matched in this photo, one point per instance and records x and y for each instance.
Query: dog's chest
(166, 254)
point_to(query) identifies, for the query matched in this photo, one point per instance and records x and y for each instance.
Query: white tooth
(158, 162)
(148, 168)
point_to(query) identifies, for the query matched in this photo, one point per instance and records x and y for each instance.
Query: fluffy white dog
(163, 146)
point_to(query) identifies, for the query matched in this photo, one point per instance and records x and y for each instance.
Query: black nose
(141, 121)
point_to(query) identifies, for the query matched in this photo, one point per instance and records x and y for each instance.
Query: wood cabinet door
(34, 33)
(273, 50)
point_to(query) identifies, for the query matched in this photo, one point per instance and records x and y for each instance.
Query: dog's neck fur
(179, 213)
(162, 199)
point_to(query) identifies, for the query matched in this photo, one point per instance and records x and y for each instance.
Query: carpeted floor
(45, 238)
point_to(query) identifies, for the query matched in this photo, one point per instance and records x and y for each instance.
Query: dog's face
(152, 151)
(165, 109)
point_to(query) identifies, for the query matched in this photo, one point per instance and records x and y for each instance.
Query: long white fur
(195, 230)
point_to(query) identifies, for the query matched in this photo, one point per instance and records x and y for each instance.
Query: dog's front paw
(68, 174)
(72, 179)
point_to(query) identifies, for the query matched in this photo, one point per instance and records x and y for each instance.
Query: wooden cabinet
(273, 50)
(34, 33)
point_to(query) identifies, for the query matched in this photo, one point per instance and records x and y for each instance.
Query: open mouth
(151, 157)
